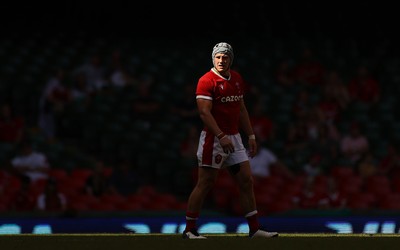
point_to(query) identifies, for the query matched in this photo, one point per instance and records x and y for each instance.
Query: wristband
(252, 137)
(221, 135)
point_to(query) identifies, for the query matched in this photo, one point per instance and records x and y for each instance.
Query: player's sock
(252, 220)
(191, 219)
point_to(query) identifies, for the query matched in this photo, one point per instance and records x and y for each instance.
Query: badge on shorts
(218, 158)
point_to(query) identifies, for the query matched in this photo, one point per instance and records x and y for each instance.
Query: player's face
(222, 62)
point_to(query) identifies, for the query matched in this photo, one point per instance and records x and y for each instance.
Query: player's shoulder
(208, 77)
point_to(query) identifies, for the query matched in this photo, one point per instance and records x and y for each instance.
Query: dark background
(192, 19)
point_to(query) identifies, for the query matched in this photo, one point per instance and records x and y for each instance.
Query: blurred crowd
(116, 129)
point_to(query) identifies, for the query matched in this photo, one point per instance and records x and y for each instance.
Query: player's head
(223, 48)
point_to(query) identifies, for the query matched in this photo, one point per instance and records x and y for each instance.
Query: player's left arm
(246, 126)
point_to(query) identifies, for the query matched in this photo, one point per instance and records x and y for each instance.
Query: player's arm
(246, 126)
(204, 106)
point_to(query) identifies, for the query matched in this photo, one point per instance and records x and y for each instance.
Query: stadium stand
(102, 125)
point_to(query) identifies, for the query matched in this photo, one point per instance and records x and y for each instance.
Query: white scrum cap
(224, 48)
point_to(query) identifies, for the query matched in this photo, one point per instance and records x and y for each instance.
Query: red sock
(191, 219)
(252, 220)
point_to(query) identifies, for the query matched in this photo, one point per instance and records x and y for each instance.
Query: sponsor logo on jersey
(232, 98)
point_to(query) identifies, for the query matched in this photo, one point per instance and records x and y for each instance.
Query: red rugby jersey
(226, 95)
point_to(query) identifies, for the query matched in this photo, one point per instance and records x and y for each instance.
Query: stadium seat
(291, 190)
(350, 185)
(107, 171)
(321, 180)
(361, 201)
(378, 180)
(129, 206)
(379, 190)
(81, 202)
(13, 183)
(341, 172)
(395, 183)
(157, 205)
(224, 192)
(378, 185)
(3, 176)
(113, 198)
(5, 199)
(101, 206)
(71, 185)
(147, 190)
(221, 200)
(273, 180)
(141, 199)
(279, 206)
(81, 173)
(169, 199)
(264, 202)
(390, 201)
(181, 206)
(225, 182)
(59, 174)
(78, 207)
(38, 186)
(3, 206)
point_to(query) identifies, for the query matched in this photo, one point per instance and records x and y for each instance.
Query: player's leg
(243, 177)
(206, 180)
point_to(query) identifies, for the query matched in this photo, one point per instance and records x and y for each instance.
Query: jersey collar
(218, 74)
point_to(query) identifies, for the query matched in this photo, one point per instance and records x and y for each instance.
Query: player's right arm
(204, 107)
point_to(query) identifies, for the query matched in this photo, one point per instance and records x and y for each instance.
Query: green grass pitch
(214, 241)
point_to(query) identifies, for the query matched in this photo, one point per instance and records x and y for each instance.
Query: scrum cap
(224, 48)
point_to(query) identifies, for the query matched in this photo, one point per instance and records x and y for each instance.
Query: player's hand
(227, 145)
(252, 148)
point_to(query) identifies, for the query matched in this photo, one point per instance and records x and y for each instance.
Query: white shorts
(211, 154)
